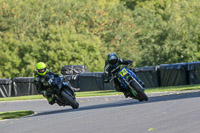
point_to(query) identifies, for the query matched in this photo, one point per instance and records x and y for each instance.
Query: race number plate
(123, 72)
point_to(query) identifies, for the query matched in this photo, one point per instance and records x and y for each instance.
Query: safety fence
(82, 80)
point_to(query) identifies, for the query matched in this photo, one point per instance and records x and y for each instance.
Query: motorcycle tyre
(74, 104)
(138, 89)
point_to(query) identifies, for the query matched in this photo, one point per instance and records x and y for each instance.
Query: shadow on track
(90, 107)
(126, 102)
(173, 97)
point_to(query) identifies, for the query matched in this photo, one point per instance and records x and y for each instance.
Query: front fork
(128, 83)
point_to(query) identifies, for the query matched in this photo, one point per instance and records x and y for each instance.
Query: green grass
(109, 92)
(173, 88)
(31, 97)
(14, 114)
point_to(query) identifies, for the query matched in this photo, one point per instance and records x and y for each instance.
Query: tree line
(73, 32)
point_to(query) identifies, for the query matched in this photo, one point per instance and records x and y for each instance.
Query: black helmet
(112, 59)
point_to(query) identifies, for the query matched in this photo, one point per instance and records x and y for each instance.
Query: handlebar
(119, 66)
(115, 69)
(129, 65)
(114, 75)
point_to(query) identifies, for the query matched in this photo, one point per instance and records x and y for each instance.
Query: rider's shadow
(126, 102)
(173, 97)
(90, 107)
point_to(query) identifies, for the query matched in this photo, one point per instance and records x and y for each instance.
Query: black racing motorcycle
(63, 93)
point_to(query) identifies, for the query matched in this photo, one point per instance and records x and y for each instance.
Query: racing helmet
(41, 68)
(112, 59)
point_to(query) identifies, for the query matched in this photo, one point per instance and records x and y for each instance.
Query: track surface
(174, 113)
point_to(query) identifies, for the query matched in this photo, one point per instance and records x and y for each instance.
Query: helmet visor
(113, 61)
(42, 70)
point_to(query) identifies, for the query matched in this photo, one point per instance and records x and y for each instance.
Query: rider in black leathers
(44, 80)
(111, 63)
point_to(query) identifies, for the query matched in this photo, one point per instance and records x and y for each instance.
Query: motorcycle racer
(44, 80)
(112, 63)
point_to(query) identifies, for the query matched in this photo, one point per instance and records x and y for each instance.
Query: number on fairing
(123, 72)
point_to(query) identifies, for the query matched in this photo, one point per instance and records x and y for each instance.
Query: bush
(168, 31)
(62, 33)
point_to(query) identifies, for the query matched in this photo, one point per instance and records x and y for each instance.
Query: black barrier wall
(5, 87)
(73, 80)
(153, 76)
(149, 75)
(23, 86)
(109, 86)
(71, 74)
(73, 69)
(91, 81)
(194, 72)
(174, 74)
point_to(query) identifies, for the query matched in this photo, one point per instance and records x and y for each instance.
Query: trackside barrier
(153, 76)
(73, 80)
(91, 81)
(5, 87)
(74, 69)
(149, 75)
(194, 72)
(174, 74)
(22, 86)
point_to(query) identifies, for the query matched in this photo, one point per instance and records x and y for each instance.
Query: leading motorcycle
(130, 82)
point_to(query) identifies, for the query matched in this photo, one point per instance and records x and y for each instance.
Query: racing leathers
(108, 75)
(44, 83)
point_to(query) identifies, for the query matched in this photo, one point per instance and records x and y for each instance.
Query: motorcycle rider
(112, 63)
(44, 80)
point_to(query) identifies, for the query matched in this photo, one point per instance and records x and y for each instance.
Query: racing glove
(51, 81)
(44, 93)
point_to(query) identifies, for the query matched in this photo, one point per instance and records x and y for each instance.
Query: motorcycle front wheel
(74, 104)
(142, 96)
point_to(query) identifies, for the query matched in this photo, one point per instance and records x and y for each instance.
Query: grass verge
(14, 114)
(109, 92)
(173, 88)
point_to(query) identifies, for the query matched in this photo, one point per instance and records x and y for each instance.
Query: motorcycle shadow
(177, 96)
(125, 102)
(89, 107)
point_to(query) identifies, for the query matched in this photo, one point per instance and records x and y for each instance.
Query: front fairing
(58, 81)
(61, 85)
(126, 75)
(68, 88)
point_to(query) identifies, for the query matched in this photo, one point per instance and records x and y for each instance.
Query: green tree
(167, 31)
(61, 32)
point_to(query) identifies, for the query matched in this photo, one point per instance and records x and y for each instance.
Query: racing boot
(51, 100)
(127, 94)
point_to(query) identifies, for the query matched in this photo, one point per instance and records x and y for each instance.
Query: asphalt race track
(163, 113)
